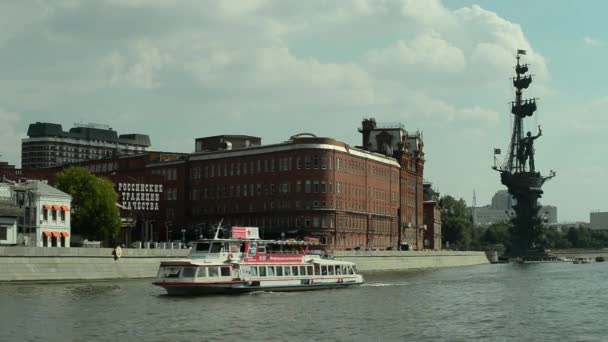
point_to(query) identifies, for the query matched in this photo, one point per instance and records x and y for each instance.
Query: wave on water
(384, 284)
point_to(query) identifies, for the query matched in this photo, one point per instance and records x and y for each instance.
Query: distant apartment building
(49, 145)
(598, 220)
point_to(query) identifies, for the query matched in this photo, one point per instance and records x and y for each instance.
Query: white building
(46, 215)
(9, 213)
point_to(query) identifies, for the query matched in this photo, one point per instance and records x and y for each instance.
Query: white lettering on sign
(136, 196)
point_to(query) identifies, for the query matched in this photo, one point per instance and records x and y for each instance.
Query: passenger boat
(245, 263)
(582, 261)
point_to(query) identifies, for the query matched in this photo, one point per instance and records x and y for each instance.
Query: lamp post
(183, 235)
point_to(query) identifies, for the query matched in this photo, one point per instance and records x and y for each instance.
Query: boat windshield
(208, 247)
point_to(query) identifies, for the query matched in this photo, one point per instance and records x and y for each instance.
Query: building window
(265, 165)
(315, 204)
(298, 163)
(323, 163)
(315, 162)
(272, 165)
(307, 222)
(54, 214)
(259, 189)
(315, 187)
(307, 162)
(316, 223)
(298, 186)
(244, 168)
(3, 232)
(322, 187)
(307, 187)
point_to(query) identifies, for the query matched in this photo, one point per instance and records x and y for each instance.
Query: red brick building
(432, 218)
(369, 197)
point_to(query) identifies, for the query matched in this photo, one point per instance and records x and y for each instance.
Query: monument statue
(523, 183)
(526, 149)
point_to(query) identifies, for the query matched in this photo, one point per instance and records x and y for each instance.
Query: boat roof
(266, 242)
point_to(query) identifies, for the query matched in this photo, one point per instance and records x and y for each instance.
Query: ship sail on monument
(518, 171)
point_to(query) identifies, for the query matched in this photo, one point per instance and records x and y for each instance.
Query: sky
(178, 70)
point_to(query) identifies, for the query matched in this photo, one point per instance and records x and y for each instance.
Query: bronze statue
(526, 149)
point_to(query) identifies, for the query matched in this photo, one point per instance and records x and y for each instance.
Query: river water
(542, 302)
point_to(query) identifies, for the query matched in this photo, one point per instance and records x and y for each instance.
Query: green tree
(497, 233)
(456, 224)
(95, 214)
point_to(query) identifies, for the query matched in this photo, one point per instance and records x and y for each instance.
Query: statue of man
(527, 144)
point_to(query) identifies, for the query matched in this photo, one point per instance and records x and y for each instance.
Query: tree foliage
(457, 225)
(94, 211)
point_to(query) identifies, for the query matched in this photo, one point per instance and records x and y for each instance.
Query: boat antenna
(217, 230)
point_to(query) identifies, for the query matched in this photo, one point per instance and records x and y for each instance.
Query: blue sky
(178, 70)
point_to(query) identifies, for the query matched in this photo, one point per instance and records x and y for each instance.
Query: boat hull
(185, 289)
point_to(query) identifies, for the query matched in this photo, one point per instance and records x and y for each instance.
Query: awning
(55, 234)
(46, 206)
(47, 234)
(65, 208)
(56, 207)
(65, 234)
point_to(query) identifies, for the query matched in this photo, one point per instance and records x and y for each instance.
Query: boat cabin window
(271, 271)
(262, 271)
(338, 269)
(330, 269)
(279, 271)
(287, 270)
(294, 270)
(225, 271)
(254, 271)
(202, 272)
(188, 272)
(303, 271)
(213, 272)
(309, 268)
(172, 272)
(317, 269)
(324, 270)
(209, 247)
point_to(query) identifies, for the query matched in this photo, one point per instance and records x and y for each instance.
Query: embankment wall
(64, 264)
(370, 261)
(69, 264)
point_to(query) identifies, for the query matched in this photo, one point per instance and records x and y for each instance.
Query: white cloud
(206, 67)
(139, 68)
(592, 41)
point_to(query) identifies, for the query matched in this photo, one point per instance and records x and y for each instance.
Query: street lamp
(183, 235)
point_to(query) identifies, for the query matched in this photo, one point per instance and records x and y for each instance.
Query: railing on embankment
(63, 264)
(369, 261)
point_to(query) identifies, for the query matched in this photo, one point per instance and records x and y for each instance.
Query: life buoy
(117, 252)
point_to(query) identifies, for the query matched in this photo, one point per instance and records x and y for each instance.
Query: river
(541, 302)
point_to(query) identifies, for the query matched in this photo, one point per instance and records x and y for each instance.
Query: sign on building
(137, 196)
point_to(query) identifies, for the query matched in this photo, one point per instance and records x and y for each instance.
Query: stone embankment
(69, 264)
(371, 261)
(65, 264)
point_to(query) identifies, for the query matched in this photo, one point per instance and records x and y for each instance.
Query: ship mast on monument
(518, 172)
